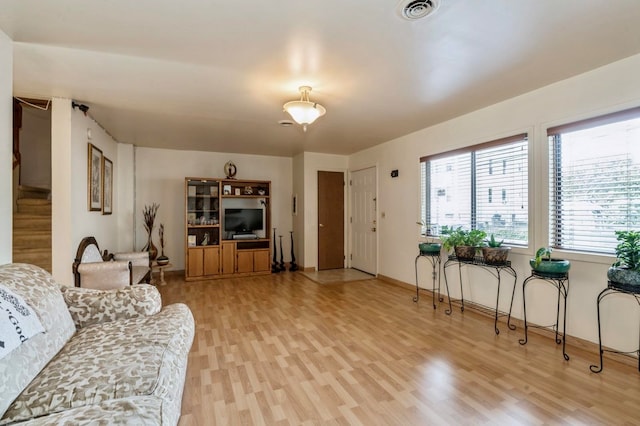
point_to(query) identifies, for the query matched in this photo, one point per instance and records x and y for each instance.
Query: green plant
(491, 242)
(459, 237)
(628, 250)
(542, 251)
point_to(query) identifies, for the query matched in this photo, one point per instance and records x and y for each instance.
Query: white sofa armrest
(89, 306)
(105, 275)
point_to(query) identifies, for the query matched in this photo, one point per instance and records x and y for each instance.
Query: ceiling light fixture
(304, 111)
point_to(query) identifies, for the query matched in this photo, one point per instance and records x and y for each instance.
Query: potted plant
(464, 243)
(428, 247)
(494, 253)
(626, 269)
(545, 265)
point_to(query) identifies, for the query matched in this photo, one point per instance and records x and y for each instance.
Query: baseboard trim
(572, 341)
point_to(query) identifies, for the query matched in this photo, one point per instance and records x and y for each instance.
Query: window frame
(426, 188)
(554, 217)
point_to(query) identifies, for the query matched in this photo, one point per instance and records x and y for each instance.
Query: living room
(144, 175)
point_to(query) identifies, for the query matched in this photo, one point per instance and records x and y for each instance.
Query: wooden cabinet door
(228, 258)
(244, 261)
(195, 262)
(261, 261)
(211, 261)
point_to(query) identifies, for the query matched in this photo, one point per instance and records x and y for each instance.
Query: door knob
(321, 225)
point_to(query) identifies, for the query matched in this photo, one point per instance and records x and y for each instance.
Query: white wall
(314, 162)
(71, 218)
(610, 88)
(299, 218)
(6, 149)
(160, 177)
(35, 147)
(124, 196)
(62, 173)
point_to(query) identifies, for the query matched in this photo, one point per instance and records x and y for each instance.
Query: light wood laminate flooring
(283, 350)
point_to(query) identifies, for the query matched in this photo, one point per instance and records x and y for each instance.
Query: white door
(364, 220)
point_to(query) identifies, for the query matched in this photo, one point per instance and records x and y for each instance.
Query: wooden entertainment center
(227, 224)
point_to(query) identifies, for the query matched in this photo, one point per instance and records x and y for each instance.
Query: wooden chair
(108, 270)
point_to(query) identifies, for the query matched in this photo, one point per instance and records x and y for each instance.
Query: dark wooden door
(330, 220)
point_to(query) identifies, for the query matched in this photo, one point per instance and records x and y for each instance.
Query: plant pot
(429, 248)
(495, 255)
(465, 252)
(624, 276)
(551, 268)
(162, 260)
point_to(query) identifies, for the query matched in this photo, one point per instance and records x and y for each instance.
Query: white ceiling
(212, 75)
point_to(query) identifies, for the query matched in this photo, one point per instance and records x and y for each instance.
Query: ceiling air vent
(417, 9)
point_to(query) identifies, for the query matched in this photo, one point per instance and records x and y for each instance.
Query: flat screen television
(243, 221)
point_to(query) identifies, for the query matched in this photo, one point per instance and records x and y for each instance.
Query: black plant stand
(281, 267)
(496, 271)
(435, 260)
(274, 265)
(561, 282)
(612, 288)
(292, 265)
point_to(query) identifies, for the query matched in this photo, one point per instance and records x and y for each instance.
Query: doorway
(364, 225)
(330, 220)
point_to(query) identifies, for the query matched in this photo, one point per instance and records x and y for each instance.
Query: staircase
(32, 228)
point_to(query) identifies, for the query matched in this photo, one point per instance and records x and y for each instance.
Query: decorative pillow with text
(18, 322)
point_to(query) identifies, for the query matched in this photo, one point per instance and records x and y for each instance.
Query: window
(467, 178)
(594, 183)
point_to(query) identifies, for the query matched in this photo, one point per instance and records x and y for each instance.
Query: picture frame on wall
(107, 188)
(94, 178)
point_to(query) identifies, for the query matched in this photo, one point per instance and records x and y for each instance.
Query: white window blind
(483, 187)
(594, 181)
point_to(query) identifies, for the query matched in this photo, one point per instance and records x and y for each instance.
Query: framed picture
(191, 240)
(237, 191)
(226, 190)
(94, 179)
(107, 186)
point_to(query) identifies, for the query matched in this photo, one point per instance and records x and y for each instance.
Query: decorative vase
(551, 268)
(624, 277)
(495, 255)
(162, 260)
(429, 248)
(151, 248)
(465, 252)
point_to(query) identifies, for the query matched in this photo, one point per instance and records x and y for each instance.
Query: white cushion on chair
(91, 254)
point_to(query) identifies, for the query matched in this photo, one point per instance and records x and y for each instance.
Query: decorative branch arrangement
(149, 214)
(161, 235)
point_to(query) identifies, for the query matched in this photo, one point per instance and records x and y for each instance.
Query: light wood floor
(282, 349)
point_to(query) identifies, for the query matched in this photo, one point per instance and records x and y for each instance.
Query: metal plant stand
(496, 271)
(435, 260)
(561, 282)
(612, 288)
(274, 266)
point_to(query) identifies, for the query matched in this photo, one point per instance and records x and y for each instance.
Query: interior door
(364, 224)
(330, 220)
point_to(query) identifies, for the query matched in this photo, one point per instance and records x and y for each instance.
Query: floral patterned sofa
(105, 356)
